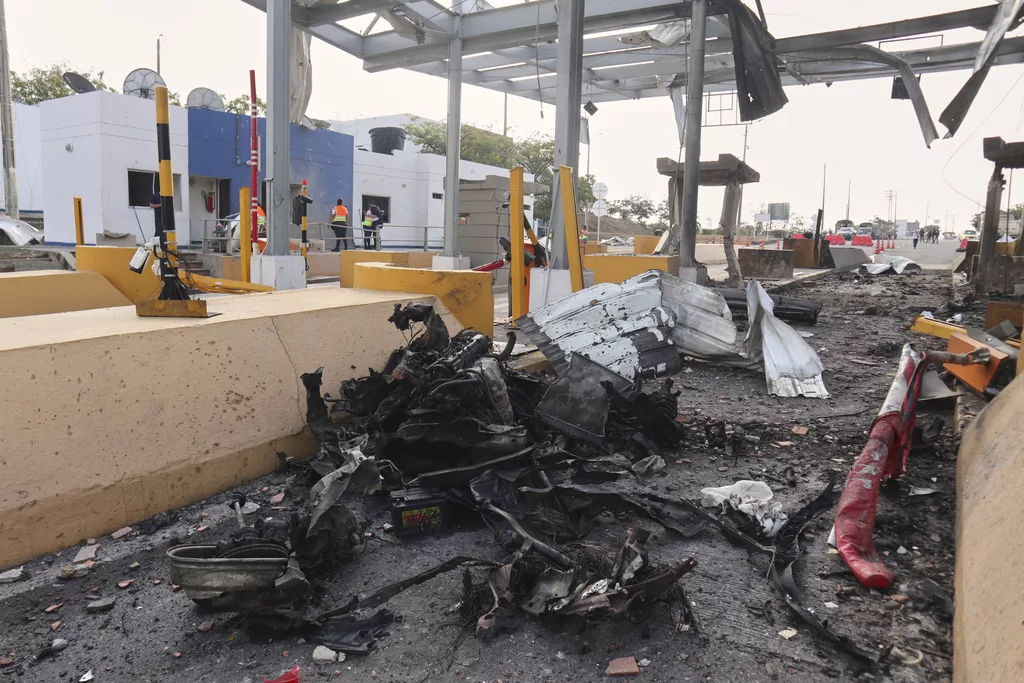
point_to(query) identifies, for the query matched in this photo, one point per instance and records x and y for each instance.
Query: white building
(407, 185)
(906, 229)
(101, 146)
(360, 129)
(27, 162)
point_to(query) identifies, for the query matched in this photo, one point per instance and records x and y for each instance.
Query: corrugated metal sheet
(622, 327)
(883, 263)
(791, 367)
(703, 322)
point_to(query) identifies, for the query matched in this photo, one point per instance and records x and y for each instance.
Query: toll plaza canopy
(631, 48)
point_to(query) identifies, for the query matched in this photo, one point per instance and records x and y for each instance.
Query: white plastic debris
(86, 677)
(958, 318)
(832, 605)
(752, 498)
(832, 537)
(788, 633)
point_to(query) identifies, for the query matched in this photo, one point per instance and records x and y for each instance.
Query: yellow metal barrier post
(173, 300)
(79, 223)
(572, 233)
(517, 291)
(305, 201)
(245, 234)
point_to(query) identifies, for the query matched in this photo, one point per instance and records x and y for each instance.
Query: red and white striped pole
(254, 159)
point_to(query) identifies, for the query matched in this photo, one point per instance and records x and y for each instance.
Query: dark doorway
(383, 203)
(223, 198)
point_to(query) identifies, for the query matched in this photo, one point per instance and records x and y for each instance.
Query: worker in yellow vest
(339, 224)
(372, 219)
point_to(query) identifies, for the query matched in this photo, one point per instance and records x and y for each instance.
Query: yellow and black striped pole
(305, 201)
(172, 288)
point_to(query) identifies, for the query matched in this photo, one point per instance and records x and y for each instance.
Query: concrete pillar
(568, 101)
(691, 166)
(989, 231)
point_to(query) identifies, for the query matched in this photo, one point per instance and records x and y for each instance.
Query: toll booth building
(101, 146)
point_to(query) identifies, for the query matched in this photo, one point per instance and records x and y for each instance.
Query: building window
(437, 195)
(143, 184)
(527, 207)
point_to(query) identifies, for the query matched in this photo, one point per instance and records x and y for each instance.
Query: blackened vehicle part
(414, 312)
(593, 500)
(869, 53)
(759, 88)
(576, 404)
(788, 308)
(382, 595)
(350, 634)
(317, 418)
(1007, 17)
(654, 415)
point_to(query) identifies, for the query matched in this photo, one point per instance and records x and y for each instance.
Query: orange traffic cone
(881, 245)
(892, 244)
(778, 245)
(877, 250)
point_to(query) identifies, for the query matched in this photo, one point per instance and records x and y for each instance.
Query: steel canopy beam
(977, 17)
(518, 25)
(329, 14)
(332, 34)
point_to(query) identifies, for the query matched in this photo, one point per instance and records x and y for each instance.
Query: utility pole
(824, 174)
(158, 52)
(504, 128)
(7, 121)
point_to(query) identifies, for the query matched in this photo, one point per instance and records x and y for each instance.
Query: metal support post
(517, 290)
(244, 234)
(989, 231)
(568, 100)
(572, 231)
(254, 163)
(279, 31)
(7, 122)
(304, 244)
(694, 106)
(454, 148)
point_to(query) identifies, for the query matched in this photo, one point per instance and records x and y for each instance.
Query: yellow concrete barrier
(405, 259)
(109, 418)
(55, 291)
(112, 263)
(467, 294)
(988, 631)
(620, 267)
(323, 264)
(645, 244)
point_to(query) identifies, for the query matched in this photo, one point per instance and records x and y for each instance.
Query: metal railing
(219, 236)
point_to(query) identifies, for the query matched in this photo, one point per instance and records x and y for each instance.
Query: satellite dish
(204, 98)
(79, 83)
(142, 83)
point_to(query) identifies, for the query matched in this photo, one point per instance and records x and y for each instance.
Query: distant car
(868, 230)
(847, 233)
(969, 234)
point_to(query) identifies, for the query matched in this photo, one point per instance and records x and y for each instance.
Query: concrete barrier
(645, 244)
(109, 419)
(988, 631)
(112, 263)
(775, 264)
(323, 264)
(466, 293)
(37, 292)
(405, 259)
(620, 267)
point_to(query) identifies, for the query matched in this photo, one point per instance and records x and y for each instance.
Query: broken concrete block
(101, 605)
(250, 507)
(58, 645)
(324, 654)
(121, 533)
(74, 571)
(12, 575)
(277, 498)
(86, 553)
(623, 666)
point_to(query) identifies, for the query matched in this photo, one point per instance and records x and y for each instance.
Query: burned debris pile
(453, 437)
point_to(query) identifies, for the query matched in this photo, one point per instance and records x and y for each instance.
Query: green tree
(636, 207)
(478, 144)
(1017, 211)
(41, 84)
(241, 105)
(976, 220)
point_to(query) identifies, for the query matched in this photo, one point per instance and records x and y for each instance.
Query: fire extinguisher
(211, 201)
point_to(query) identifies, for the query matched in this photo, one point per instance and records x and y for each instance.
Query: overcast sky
(865, 138)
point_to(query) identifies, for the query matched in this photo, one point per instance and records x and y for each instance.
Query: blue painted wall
(218, 147)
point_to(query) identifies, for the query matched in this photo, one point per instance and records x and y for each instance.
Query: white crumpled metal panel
(791, 367)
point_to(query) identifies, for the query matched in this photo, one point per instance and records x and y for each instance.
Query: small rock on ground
(324, 654)
(101, 605)
(12, 575)
(623, 666)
